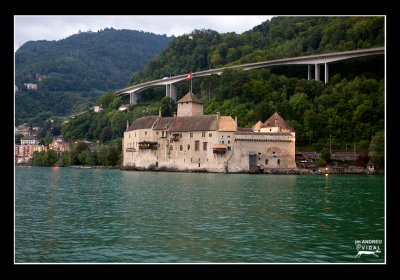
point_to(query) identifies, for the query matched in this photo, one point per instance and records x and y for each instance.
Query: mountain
(73, 72)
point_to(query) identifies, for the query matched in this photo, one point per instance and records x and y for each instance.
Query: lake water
(65, 215)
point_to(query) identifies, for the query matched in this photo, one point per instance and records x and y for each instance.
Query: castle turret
(190, 105)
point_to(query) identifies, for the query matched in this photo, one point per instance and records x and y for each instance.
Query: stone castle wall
(182, 153)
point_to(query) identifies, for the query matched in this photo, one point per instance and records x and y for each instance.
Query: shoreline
(287, 171)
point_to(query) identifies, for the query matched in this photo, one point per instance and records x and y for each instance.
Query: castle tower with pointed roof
(189, 105)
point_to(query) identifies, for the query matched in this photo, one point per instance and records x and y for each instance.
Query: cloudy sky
(32, 28)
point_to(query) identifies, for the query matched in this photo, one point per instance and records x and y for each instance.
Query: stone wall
(180, 152)
(189, 109)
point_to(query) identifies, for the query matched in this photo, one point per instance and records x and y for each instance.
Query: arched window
(279, 161)
(266, 161)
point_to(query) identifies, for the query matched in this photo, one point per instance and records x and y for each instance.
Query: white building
(123, 107)
(31, 86)
(28, 140)
(97, 108)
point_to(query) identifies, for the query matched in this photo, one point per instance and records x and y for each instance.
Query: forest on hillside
(73, 72)
(280, 37)
(348, 111)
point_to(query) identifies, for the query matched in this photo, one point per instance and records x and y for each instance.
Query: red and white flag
(189, 76)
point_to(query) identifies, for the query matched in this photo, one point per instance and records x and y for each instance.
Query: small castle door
(253, 163)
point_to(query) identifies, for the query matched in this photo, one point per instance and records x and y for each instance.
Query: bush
(326, 155)
(321, 162)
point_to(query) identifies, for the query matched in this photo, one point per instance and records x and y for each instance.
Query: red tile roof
(257, 126)
(277, 121)
(226, 123)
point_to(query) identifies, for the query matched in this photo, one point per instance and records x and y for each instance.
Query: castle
(191, 141)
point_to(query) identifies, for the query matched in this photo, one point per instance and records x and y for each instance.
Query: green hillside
(280, 37)
(349, 110)
(75, 71)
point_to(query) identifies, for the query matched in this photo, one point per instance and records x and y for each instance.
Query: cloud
(32, 28)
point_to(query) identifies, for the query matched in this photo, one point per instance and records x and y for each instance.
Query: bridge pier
(309, 72)
(326, 73)
(317, 72)
(133, 98)
(170, 91)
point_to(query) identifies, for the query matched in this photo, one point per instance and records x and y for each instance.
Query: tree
(76, 158)
(321, 162)
(377, 149)
(49, 158)
(168, 106)
(48, 138)
(66, 158)
(326, 155)
(18, 138)
(299, 103)
(105, 134)
(112, 157)
(86, 158)
(37, 158)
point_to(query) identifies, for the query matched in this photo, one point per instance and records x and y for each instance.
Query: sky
(32, 28)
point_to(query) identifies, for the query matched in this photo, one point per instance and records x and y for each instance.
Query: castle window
(181, 147)
(203, 134)
(210, 135)
(266, 162)
(229, 136)
(204, 146)
(196, 145)
(157, 133)
(229, 141)
(191, 134)
(270, 129)
(188, 147)
(279, 161)
(222, 142)
(145, 133)
(229, 148)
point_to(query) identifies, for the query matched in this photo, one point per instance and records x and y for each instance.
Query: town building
(30, 86)
(23, 129)
(59, 145)
(123, 107)
(191, 141)
(28, 140)
(98, 108)
(23, 153)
